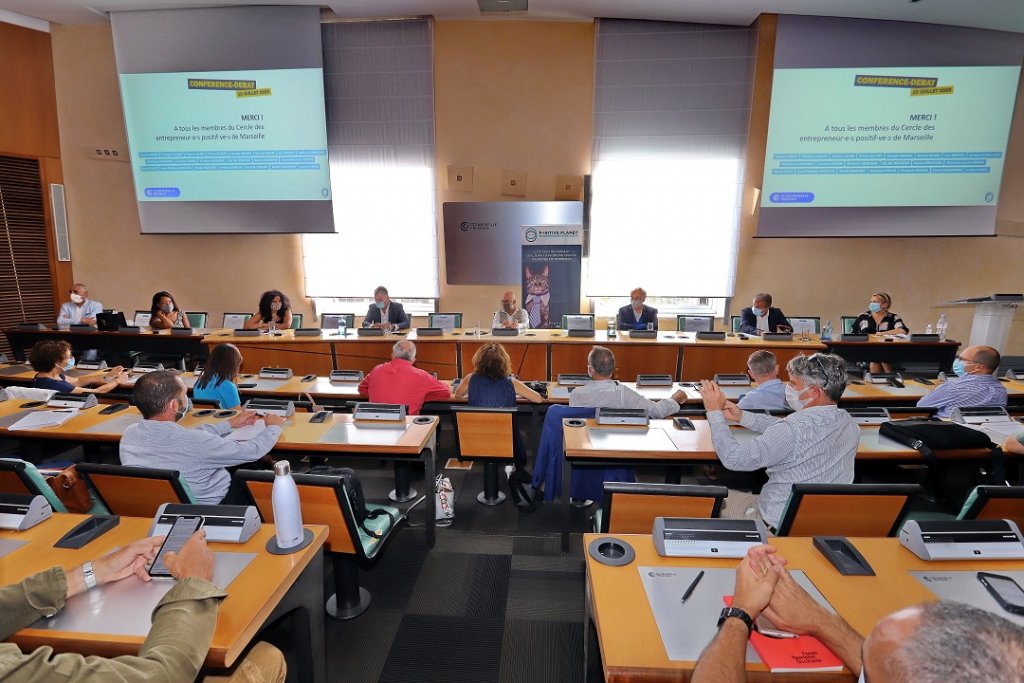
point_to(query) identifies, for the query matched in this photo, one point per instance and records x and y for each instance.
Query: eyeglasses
(966, 360)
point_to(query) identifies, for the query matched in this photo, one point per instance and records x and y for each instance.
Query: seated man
(202, 454)
(385, 313)
(816, 444)
(510, 315)
(80, 310)
(178, 640)
(604, 392)
(975, 384)
(636, 314)
(934, 642)
(399, 381)
(761, 317)
(770, 392)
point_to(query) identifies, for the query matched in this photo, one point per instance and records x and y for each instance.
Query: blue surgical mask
(794, 400)
(178, 414)
(959, 368)
(70, 365)
(874, 307)
(757, 311)
(379, 304)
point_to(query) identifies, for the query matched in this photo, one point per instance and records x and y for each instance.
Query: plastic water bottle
(941, 327)
(928, 330)
(826, 331)
(611, 328)
(287, 512)
(343, 325)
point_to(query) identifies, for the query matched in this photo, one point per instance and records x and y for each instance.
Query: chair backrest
(197, 318)
(995, 502)
(483, 433)
(135, 491)
(577, 320)
(630, 508)
(810, 324)
(848, 321)
(846, 509)
(235, 320)
(322, 499)
(329, 321)
(695, 323)
(297, 320)
(735, 323)
(449, 321)
(22, 477)
(142, 318)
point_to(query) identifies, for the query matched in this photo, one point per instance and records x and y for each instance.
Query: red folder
(803, 653)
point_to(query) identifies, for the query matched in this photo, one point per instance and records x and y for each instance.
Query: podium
(993, 315)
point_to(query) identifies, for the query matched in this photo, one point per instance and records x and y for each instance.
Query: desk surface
(252, 596)
(631, 645)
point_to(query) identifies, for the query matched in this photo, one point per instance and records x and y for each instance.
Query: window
(380, 134)
(671, 106)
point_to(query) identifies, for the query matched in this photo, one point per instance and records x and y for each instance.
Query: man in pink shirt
(398, 381)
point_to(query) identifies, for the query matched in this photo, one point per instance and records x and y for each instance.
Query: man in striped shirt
(816, 444)
(975, 385)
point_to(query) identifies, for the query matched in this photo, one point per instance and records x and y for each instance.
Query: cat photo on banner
(552, 257)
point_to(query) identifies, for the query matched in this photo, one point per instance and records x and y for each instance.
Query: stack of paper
(43, 418)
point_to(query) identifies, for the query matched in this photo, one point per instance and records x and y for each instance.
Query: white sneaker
(508, 470)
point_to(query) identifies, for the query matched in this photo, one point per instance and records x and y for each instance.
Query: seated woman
(219, 379)
(274, 307)
(878, 319)
(51, 359)
(491, 385)
(165, 314)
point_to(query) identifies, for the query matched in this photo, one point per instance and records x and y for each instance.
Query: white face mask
(793, 398)
(862, 679)
(276, 306)
(637, 303)
(77, 298)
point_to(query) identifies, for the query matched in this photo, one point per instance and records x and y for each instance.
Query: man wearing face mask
(636, 314)
(761, 317)
(80, 310)
(510, 315)
(201, 454)
(384, 312)
(816, 444)
(975, 384)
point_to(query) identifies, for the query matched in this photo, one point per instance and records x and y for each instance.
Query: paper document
(43, 418)
(998, 431)
(248, 432)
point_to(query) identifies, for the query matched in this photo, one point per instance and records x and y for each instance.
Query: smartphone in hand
(177, 537)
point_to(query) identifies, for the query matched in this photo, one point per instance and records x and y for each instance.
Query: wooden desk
(268, 588)
(661, 443)
(107, 343)
(877, 349)
(418, 442)
(631, 645)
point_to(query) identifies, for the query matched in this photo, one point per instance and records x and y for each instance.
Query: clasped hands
(714, 399)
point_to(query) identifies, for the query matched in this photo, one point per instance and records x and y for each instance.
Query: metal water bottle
(287, 512)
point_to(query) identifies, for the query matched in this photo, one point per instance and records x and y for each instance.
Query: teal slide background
(975, 118)
(288, 163)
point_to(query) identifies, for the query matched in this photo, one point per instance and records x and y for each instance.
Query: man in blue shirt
(80, 310)
(770, 392)
(975, 384)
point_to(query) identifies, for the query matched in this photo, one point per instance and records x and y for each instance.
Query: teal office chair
(296, 320)
(848, 321)
(695, 323)
(435, 320)
(735, 322)
(197, 318)
(565, 320)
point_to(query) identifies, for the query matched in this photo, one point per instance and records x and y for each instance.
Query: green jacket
(183, 624)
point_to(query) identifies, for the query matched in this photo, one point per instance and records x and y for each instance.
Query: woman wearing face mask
(636, 314)
(274, 307)
(51, 359)
(878, 319)
(164, 313)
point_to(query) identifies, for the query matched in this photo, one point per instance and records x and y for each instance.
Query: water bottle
(287, 512)
(611, 328)
(941, 327)
(928, 330)
(826, 331)
(343, 325)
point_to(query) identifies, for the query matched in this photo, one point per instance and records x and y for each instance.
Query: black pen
(693, 586)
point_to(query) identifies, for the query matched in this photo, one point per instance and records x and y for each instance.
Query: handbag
(444, 504)
(71, 490)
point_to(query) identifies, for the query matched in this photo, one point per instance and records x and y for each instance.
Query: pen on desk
(693, 586)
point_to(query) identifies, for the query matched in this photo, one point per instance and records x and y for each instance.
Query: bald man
(510, 315)
(975, 384)
(936, 642)
(80, 310)
(398, 381)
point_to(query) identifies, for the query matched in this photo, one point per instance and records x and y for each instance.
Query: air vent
(502, 6)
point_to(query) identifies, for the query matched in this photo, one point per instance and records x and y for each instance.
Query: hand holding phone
(181, 532)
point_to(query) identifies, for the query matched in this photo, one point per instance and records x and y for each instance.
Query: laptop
(110, 322)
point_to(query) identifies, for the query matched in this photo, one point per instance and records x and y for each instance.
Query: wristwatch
(88, 575)
(739, 614)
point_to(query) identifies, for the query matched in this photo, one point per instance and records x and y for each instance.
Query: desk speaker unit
(92, 365)
(869, 415)
(370, 332)
(20, 512)
(379, 412)
(622, 416)
(979, 415)
(147, 367)
(734, 380)
(639, 334)
(893, 379)
(710, 336)
(241, 332)
(505, 331)
(929, 338)
(571, 380)
(129, 329)
(275, 373)
(686, 537)
(975, 539)
(654, 380)
(777, 336)
(429, 331)
(853, 337)
(271, 406)
(223, 523)
(346, 376)
(78, 401)
(308, 332)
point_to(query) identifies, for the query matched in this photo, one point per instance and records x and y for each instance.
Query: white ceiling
(1007, 15)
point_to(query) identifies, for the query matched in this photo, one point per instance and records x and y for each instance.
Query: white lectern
(992, 317)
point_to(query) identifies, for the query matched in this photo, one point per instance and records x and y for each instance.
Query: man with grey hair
(80, 310)
(385, 313)
(816, 444)
(604, 392)
(934, 642)
(770, 392)
(399, 381)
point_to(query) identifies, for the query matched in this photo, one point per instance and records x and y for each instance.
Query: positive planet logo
(464, 226)
(531, 235)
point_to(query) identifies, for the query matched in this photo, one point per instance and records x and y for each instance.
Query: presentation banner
(552, 258)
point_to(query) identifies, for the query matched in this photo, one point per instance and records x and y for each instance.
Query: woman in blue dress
(491, 385)
(220, 376)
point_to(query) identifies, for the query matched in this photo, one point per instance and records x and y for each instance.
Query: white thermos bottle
(287, 512)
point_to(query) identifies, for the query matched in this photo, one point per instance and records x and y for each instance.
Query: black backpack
(354, 489)
(520, 484)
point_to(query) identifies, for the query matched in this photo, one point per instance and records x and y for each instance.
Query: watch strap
(738, 614)
(89, 575)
